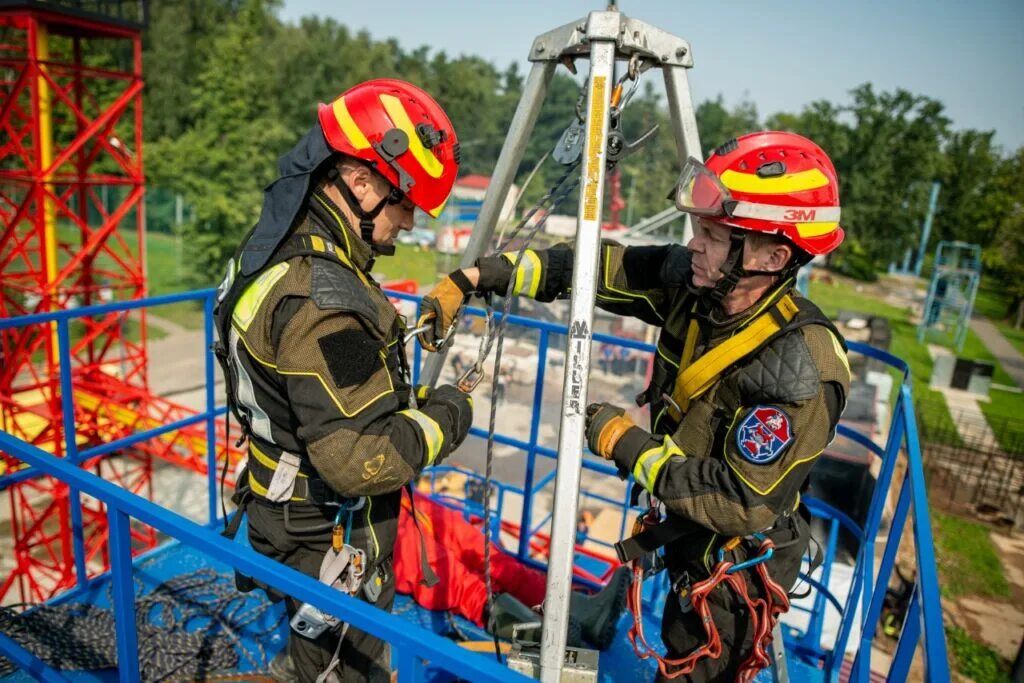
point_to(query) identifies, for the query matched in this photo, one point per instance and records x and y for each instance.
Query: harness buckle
(681, 587)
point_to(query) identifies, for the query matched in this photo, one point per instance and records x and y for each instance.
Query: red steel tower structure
(70, 141)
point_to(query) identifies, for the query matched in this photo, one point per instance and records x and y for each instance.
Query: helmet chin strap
(366, 218)
(733, 271)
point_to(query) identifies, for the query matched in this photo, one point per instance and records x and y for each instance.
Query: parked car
(418, 236)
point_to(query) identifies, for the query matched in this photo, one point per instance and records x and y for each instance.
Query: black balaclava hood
(284, 198)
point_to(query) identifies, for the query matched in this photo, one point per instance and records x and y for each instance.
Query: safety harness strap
(295, 484)
(429, 577)
(696, 377)
(654, 537)
(237, 282)
(764, 612)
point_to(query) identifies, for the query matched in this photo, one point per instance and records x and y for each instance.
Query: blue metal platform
(425, 653)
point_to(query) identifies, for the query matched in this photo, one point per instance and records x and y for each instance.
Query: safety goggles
(700, 192)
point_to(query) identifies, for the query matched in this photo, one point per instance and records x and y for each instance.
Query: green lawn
(166, 276)
(934, 415)
(410, 262)
(967, 559)
(975, 660)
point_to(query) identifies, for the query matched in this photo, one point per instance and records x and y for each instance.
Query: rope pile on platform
(188, 627)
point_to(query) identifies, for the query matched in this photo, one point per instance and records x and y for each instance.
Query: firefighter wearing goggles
(749, 378)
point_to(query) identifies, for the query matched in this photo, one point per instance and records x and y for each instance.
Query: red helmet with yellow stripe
(772, 182)
(402, 132)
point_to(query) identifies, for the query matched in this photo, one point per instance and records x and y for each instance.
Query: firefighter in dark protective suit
(316, 366)
(748, 385)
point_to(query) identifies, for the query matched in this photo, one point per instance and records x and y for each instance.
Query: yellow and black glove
(606, 424)
(440, 308)
(460, 409)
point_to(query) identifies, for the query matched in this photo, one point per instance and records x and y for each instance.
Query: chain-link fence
(969, 467)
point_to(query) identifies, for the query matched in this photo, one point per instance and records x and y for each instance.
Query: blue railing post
(67, 409)
(937, 666)
(861, 587)
(417, 352)
(410, 667)
(899, 669)
(531, 454)
(124, 595)
(872, 615)
(27, 662)
(211, 406)
(814, 627)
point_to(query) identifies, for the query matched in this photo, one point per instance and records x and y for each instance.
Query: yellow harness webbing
(695, 378)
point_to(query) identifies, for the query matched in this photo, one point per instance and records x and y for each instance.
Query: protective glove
(423, 392)
(440, 308)
(460, 409)
(605, 426)
(495, 274)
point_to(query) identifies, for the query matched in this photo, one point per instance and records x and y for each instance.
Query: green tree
(718, 124)
(970, 161)
(226, 156)
(1004, 255)
(176, 47)
(894, 152)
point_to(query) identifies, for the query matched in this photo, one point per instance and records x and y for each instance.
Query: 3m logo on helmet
(800, 215)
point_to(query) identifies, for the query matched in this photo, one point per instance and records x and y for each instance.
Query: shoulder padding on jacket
(781, 372)
(336, 288)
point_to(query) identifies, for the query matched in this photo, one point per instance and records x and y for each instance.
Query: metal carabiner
(472, 377)
(762, 556)
(410, 334)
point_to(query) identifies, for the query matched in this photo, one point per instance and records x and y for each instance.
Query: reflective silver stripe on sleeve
(432, 434)
(650, 462)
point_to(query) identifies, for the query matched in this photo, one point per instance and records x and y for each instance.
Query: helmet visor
(699, 191)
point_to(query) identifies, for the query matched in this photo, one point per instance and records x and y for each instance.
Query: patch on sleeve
(763, 434)
(352, 356)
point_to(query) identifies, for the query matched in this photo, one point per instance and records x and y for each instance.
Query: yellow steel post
(45, 160)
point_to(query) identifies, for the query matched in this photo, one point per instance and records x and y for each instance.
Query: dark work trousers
(363, 657)
(683, 632)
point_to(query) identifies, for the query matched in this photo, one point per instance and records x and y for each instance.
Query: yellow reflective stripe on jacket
(693, 380)
(648, 465)
(261, 490)
(249, 303)
(267, 461)
(840, 352)
(527, 275)
(432, 434)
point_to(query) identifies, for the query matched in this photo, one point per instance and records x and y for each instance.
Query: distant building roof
(477, 182)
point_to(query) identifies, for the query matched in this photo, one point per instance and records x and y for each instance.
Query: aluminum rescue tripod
(602, 37)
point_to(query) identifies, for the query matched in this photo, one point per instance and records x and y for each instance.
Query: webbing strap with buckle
(696, 377)
(653, 537)
(287, 479)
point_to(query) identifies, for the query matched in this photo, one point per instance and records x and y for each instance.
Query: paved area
(1009, 357)
(997, 623)
(965, 410)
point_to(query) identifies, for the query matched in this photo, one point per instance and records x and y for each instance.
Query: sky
(778, 55)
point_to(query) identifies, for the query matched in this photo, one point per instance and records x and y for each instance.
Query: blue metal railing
(924, 617)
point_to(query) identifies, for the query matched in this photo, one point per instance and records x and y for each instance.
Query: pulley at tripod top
(570, 145)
